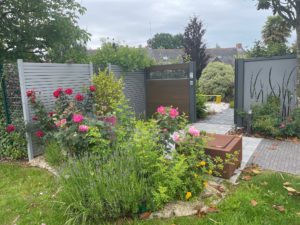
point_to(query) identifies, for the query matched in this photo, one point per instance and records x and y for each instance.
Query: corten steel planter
(220, 145)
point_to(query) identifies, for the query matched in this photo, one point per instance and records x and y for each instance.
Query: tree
(166, 41)
(194, 45)
(276, 30)
(129, 58)
(289, 10)
(40, 30)
(272, 49)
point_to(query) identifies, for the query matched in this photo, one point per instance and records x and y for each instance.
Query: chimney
(239, 46)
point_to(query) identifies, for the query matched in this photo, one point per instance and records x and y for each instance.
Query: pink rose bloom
(83, 128)
(77, 118)
(176, 137)
(63, 122)
(173, 113)
(161, 110)
(57, 124)
(193, 131)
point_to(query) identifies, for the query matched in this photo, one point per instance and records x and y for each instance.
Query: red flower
(50, 114)
(79, 97)
(92, 88)
(69, 91)
(35, 117)
(10, 128)
(112, 120)
(30, 93)
(57, 92)
(40, 134)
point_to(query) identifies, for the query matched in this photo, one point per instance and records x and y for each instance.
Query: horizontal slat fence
(44, 78)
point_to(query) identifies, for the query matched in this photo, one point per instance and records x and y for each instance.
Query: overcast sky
(133, 22)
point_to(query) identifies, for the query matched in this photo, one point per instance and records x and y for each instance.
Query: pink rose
(193, 131)
(57, 124)
(176, 137)
(63, 122)
(68, 91)
(40, 134)
(83, 128)
(10, 128)
(92, 88)
(77, 118)
(79, 97)
(173, 113)
(161, 110)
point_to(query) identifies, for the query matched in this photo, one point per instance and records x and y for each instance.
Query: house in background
(225, 55)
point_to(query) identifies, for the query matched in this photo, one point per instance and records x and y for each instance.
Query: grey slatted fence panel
(135, 89)
(44, 78)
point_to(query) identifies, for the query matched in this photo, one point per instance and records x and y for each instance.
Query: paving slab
(281, 156)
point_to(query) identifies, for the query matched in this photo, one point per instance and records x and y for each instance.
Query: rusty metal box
(220, 145)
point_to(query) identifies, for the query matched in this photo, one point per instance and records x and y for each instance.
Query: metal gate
(172, 85)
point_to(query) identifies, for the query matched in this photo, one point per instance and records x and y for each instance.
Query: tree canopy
(194, 45)
(166, 41)
(41, 30)
(129, 58)
(276, 30)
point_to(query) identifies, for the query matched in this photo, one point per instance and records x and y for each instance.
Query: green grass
(26, 196)
(21, 188)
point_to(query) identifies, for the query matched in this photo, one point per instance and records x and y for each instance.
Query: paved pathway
(279, 156)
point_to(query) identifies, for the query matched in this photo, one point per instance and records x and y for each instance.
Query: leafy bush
(13, 144)
(129, 58)
(138, 175)
(217, 79)
(109, 92)
(266, 117)
(169, 121)
(201, 106)
(291, 126)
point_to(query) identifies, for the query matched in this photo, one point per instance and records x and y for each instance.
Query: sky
(133, 22)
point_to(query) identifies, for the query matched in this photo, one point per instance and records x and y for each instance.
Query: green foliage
(166, 41)
(291, 126)
(39, 30)
(109, 92)
(53, 153)
(129, 58)
(266, 117)
(231, 104)
(194, 46)
(217, 79)
(12, 145)
(169, 121)
(201, 105)
(276, 30)
(272, 49)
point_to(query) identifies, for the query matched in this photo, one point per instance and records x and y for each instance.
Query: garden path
(281, 156)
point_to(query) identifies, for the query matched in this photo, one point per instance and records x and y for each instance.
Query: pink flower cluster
(173, 113)
(10, 128)
(61, 123)
(77, 118)
(194, 132)
(83, 128)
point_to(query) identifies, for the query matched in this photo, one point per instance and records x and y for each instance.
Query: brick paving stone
(282, 156)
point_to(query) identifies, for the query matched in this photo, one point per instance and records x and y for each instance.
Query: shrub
(217, 79)
(201, 108)
(291, 126)
(109, 92)
(266, 117)
(13, 144)
(169, 120)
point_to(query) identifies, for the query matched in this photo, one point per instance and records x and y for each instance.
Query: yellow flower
(205, 183)
(210, 172)
(188, 195)
(202, 163)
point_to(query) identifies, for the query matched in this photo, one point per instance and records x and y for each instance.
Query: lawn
(29, 196)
